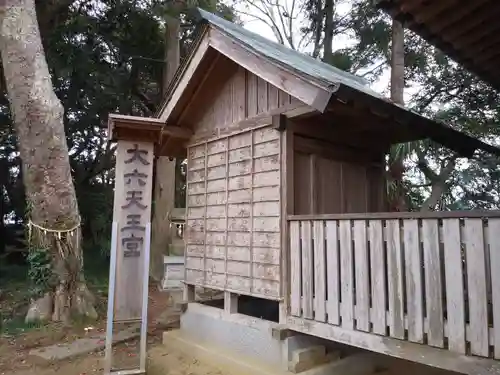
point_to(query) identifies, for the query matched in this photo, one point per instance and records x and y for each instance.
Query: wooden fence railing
(423, 279)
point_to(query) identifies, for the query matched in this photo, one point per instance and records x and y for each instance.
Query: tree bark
(164, 183)
(397, 63)
(38, 120)
(438, 184)
(329, 29)
(397, 168)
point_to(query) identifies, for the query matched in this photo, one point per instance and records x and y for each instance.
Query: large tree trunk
(398, 63)
(329, 29)
(38, 121)
(164, 182)
(396, 167)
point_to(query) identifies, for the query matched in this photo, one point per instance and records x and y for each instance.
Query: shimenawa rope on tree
(59, 233)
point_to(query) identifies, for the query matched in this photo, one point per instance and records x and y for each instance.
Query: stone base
(252, 339)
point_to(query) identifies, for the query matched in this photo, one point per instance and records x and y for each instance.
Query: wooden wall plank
(225, 100)
(378, 277)
(234, 212)
(454, 281)
(414, 283)
(251, 94)
(346, 274)
(319, 271)
(252, 243)
(273, 96)
(307, 270)
(333, 274)
(362, 276)
(302, 190)
(433, 283)
(328, 183)
(494, 230)
(287, 208)
(261, 95)
(239, 95)
(395, 279)
(476, 278)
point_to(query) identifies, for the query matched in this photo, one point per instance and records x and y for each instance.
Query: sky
(248, 15)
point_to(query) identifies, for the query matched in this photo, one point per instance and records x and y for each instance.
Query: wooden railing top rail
(399, 215)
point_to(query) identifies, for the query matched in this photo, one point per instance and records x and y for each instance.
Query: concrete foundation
(255, 340)
(246, 345)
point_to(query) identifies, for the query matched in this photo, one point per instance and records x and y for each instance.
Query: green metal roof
(288, 58)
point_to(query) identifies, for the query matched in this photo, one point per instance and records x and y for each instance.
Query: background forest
(108, 56)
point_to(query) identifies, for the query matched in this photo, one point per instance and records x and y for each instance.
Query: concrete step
(218, 357)
(228, 362)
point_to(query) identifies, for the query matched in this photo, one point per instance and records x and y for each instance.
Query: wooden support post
(188, 295)
(164, 197)
(230, 302)
(287, 201)
(164, 189)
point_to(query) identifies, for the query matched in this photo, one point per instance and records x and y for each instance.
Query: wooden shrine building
(286, 202)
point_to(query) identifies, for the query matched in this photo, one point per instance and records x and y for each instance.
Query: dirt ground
(160, 362)
(15, 358)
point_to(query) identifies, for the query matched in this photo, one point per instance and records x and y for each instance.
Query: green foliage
(104, 57)
(96, 209)
(40, 272)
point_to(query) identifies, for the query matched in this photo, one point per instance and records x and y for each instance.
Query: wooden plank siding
(233, 213)
(424, 280)
(330, 184)
(229, 95)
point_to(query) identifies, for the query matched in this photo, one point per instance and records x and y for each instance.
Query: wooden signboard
(132, 211)
(128, 284)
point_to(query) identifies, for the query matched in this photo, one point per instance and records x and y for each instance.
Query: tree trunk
(398, 63)
(397, 168)
(329, 29)
(164, 182)
(439, 187)
(318, 29)
(38, 121)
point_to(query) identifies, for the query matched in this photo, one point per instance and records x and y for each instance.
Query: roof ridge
(288, 57)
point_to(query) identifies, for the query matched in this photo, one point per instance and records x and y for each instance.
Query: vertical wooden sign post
(130, 247)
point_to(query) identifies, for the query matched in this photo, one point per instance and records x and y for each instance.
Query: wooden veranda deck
(424, 280)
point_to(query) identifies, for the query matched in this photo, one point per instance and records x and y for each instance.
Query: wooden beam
(197, 91)
(479, 34)
(135, 120)
(177, 132)
(432, 10)
(188, 72)
(293, 112)
(491, 64)
(427, 355)
(488, 55)
(138, 128)
(279, 122)
(117, 122)
(478, 17)
(489, 46)
(306, 91)
(456, 16)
